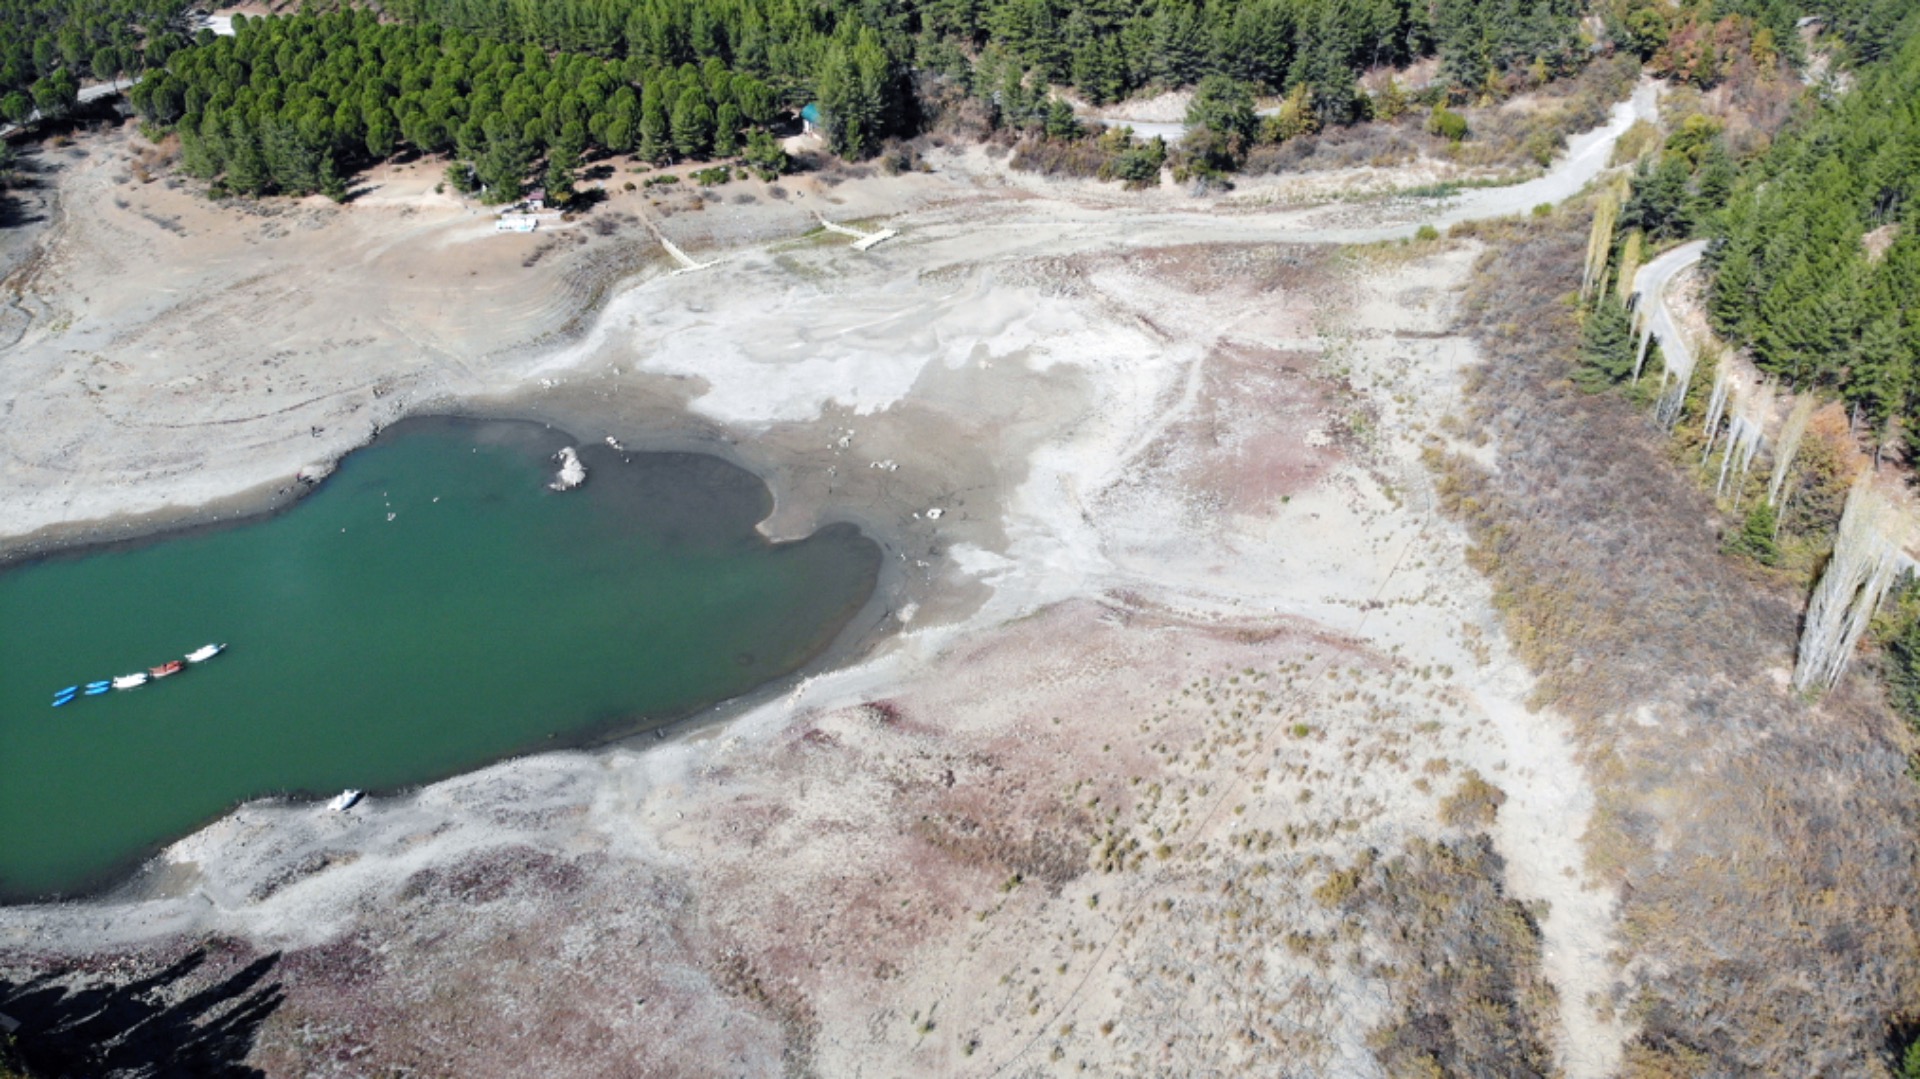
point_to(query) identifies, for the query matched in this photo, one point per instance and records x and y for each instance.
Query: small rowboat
(131, 681)
(344, 800)
(67, 692)
(205, 652)
(172, 666)
(65, 696)
(94, 689)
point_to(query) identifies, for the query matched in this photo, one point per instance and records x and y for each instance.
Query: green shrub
(1447, 124)
(1139, 165)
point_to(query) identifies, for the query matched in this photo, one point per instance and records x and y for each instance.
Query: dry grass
(1763, 847)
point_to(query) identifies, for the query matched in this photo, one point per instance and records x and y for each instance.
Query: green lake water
(489, 616)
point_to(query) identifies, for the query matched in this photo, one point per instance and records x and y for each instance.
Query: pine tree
(1756, 539)
(1061, 122)
(692, 124)
(655, 132)
(502, 168)
(727, 123)
(852, 84)
(1606, 346)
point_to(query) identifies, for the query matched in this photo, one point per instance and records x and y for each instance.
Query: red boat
(167, 668)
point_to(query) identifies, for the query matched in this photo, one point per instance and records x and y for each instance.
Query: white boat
(130, 681)
(205, 652)
(345, 800)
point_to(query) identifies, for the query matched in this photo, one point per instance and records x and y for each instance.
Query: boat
(67, 692)
(94, 689)
(345, 800)
(172, 666)
(205, 652)
(131, 681)
(65, 696)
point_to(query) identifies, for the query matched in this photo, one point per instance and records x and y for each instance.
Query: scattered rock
(572, 472)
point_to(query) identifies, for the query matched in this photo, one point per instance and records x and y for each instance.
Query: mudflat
(1180, 662)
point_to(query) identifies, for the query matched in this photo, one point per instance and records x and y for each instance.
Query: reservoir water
(431, 608)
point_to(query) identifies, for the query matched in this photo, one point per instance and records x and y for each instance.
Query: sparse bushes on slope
(1781, 912)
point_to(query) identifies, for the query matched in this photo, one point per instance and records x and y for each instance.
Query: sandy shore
(1179, 633)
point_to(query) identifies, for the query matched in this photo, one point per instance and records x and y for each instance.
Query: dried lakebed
(432, 607)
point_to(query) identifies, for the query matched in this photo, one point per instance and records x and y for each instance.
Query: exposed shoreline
(1163, 450)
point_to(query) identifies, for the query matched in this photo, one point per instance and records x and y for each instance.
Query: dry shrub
(1473, 804)
(1474, 1001)
(1821, 474)
(1516, 137)
(1377, 144)
(1081, 158)
(1764, 847)
(1750, 101)
(951, 111)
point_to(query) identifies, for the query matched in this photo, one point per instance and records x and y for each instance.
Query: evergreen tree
(852, 83)
(655, 132)
(1756, 539)
(1660, 198)
(1223, 106)
(765, 156)
(1903, 691)
(502, 167)
(692, 124)
(1061, 122)
(246, 169)
(561, 166)
(1606, 346)
(727, 123)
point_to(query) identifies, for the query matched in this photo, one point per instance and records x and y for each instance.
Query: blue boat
(94, 689)
(67, 692)
(64, 698)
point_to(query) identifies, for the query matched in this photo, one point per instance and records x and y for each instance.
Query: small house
(537, 200)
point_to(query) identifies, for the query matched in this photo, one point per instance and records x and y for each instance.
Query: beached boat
(172, 666)
(345, 800)
(205, 652)
(94, 689)
(130, 681)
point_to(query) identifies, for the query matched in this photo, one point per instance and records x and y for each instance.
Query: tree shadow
(15, 212)
(144, 1026)
(585, 200)
(24, 174)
